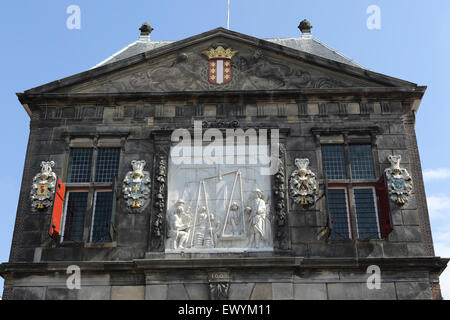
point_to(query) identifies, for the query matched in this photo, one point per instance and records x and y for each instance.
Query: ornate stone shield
(136, 186)
(303, 184)
(399, 181)
(43, 187)
(220, 70)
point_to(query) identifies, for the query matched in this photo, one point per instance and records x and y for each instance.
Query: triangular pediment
(256, 65)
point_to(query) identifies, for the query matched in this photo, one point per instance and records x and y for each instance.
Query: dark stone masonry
(349, 122)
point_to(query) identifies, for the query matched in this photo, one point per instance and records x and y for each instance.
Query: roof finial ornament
(305, 27)
(145, 29)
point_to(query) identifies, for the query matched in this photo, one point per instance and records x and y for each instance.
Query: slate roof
(306, 44)
(315, 47)
(133, 49)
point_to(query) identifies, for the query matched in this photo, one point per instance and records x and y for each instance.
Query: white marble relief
(218, 208)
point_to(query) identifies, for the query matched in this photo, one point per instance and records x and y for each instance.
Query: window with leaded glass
(361, 161)
(351, 196)
(75, 215)
(333, 159)
(107, 164)
(102, 217)
(366, 213)
(339, 215)
(80, 165)
(90, 176)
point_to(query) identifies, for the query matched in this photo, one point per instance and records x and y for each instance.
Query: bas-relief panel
(251, 69)
(218, 208)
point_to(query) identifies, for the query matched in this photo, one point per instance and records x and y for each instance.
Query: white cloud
(439, 206)
(436, 174)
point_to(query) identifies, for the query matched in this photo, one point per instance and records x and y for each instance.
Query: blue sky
(412, 44)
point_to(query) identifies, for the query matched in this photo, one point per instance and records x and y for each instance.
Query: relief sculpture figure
(258, 226)
(234, 220)
(180, 225)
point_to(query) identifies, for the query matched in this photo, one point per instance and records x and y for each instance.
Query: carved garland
(160, 202)
(281, 227)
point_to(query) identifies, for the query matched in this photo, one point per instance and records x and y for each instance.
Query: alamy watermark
(74, 20)
(73, 282)
(374, 20)
(374, 280)
(211, 148)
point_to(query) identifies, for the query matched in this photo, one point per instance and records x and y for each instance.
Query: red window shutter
(58, 205)
(385, 217)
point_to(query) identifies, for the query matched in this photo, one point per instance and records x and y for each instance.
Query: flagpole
(228, 16)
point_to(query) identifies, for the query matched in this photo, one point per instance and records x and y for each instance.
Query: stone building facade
(104, 190)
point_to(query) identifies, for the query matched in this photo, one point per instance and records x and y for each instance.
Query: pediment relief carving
(191, 71)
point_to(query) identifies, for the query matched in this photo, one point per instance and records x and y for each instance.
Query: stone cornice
(31, 100)
(398, 92)
(431, 264)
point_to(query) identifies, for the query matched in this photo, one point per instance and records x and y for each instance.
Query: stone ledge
(432, 264)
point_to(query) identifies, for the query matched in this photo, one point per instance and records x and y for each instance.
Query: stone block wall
(132, 126)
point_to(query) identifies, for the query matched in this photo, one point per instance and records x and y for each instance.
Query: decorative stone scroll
(136, 186)
(43, 187)
(303, 184)
(399, 181)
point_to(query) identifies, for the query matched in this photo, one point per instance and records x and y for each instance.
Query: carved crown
(302, 164)
(46, 169)
(395, 163)
(138, 167)
(219, 52)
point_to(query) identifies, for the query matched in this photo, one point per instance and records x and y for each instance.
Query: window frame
(94, 204)
(91, 187)
(64, 215)
(377, 214)
(349, 183)
(347, 203)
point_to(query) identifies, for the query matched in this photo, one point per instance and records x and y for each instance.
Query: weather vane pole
(228, 16)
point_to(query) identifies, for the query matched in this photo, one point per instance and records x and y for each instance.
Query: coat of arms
(136, 186)
(219, 64)
(43, 186)
(399, 181)
(303, 184)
